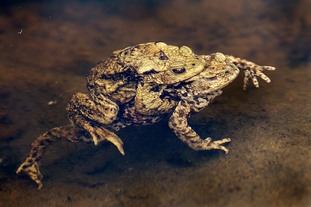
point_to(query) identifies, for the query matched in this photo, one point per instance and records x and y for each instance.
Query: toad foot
(102, 134)
(208, 144)
(32, 171)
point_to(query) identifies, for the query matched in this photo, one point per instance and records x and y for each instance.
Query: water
(47, 48)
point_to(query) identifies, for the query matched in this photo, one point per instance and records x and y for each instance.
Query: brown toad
(140, 85)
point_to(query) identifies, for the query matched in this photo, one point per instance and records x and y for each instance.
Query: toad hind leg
(92, 114)
(178, 123)
(100, 134)
(31, 165)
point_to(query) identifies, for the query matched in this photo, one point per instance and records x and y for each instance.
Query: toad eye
(179, 70)
(163, 56)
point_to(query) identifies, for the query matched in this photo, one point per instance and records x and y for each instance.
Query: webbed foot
(99, 134)
(32, 170)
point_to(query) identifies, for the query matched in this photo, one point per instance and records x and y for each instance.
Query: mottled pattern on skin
(178, 123)
(140, 85)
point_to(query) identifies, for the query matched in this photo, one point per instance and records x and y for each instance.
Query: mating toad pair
(140, 85)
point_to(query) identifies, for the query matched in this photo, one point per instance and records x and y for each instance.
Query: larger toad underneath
(140, 85)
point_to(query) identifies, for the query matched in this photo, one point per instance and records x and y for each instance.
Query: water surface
(47, 49)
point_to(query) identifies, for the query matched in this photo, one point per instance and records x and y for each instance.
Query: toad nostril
(179, 70)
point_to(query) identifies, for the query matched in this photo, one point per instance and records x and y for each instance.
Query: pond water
(47, 49)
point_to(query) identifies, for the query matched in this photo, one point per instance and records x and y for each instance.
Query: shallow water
(47, 49)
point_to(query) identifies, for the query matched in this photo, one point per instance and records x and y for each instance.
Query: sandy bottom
(47, 50)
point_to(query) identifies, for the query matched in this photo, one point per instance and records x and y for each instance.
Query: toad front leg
(178, 123)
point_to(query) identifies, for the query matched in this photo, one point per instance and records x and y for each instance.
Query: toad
(140, 85)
